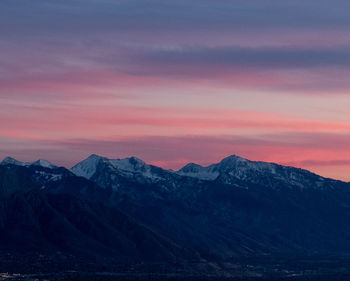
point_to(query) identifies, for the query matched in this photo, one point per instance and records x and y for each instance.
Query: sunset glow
(172, 85)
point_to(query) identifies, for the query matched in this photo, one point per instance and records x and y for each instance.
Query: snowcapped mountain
(268, 174)
(128, 167)
(133, 178)
(13, 161)
(41, 162)
(230, 170)
(229, 209)
(87, 168)
(233, 170)
(60, 218)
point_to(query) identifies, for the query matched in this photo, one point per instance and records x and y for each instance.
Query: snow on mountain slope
(13, 161)
(41, 162)
(127, 167)
(227, 171)
(198, 171)
(230, 164)
(87, 167)
(264, 173)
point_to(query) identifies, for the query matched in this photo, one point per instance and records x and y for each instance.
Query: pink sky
(177, 83)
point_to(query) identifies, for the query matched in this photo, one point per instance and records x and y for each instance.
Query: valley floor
(253, 269)
(81, 276)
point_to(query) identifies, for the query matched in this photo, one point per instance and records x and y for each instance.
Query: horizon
(175, 140)
(177, 82)
(157, 165)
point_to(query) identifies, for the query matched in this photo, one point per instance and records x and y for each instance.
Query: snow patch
(13, 161)
(40, 162)
(43, 163)
(87, 168)
(128, 167)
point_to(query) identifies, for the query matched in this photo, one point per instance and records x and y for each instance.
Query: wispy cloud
(265, 58)
(176, 81)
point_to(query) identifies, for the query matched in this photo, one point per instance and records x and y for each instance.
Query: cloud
(91, 16)
(104, 119)
(53, 71)
(313, 163)
(136, 72)
(250, 58)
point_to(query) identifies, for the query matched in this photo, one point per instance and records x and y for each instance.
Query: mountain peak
(131, 164)
(126, 167)
(12, 161)
(136, 161)
(95, 157)
(234, 158)
(87, 167)
(190, 168)
(134, 158)
(198, 171)
(43, 163)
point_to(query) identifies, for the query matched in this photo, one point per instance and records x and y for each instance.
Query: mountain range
(125, 210)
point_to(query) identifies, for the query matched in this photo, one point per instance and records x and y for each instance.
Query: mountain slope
(263, 173)
(233, 208)
(33, 219)
(40, 162)
(131, 168)
(228, 210)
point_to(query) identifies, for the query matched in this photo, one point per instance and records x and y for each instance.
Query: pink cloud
(107, 120)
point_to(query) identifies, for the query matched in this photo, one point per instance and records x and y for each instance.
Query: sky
(173, 82)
